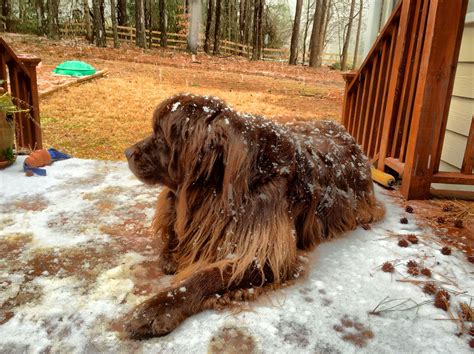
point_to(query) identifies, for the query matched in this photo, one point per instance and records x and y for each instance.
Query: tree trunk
(22, 6)
(217, 29)
(53, 20)
(40, 21)
(99, 28)
(140, 38)
(241, 20)
(308, 20)
(6, 14)
(322, 33)
(122, 13)
(247, 21)
(347, 38)
(313, 43)
(87, 21)
(194, 22)
(258, 30)
(113, 15)
(207, 40)
(148, 11)
(356, 49)
(163, 36)
(295, 34)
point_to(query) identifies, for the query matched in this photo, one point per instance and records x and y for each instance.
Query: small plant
(6, 104)
(9, 154)
(7, 135)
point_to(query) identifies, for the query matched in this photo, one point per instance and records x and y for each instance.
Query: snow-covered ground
(76, 254)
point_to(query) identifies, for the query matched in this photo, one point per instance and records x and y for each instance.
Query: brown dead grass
(99, 119)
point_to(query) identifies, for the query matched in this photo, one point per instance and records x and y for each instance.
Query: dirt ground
(100, 118)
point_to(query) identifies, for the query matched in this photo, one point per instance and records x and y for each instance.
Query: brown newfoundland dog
(242, 195)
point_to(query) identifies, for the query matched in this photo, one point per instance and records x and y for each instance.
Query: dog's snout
(129, 153)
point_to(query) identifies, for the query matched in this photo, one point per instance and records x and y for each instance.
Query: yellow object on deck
(382, 178)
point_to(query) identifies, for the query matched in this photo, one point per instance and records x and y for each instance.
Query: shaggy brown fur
(242, 195)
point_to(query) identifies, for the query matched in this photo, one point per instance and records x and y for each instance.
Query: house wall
(462, 105)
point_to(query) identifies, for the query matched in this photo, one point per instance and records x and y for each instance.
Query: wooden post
(435, 83)
(35, 140)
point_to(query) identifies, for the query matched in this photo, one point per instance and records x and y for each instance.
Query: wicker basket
(7, 139)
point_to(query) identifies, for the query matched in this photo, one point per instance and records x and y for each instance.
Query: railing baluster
(356, 114)
(408, 73)
(370, 103)
(414, 80)
(390, 58)
(381, 77)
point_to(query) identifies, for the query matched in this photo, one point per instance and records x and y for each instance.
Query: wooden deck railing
(396, 105)
(18, 76)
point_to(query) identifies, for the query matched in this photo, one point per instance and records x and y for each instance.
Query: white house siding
(462, 106)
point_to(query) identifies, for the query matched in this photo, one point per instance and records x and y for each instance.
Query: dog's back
(334, 176)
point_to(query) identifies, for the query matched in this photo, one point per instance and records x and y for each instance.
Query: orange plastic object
(38, 158)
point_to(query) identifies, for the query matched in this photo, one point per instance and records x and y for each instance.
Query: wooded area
(252, 24)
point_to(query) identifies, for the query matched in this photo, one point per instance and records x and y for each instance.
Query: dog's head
(190, 137)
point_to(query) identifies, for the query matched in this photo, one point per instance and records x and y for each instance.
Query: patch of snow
(344, 282)
(175, 106)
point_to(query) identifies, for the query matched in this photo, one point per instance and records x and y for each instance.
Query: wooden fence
(18, 77)
(396, 105)
(177, 41)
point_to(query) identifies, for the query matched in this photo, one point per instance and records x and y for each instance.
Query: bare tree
(6, 15)
(53, 18)
(122, 13)
(295, 34)
(163, 35)
(258, 29)
(247, 21)
(322, 33)
(40, 20)
(88, 21)
(356, 49)
(317, 21)
(207, 40)
(113, 15)
(140, 38)
(308, 22)
(217, 29)
(194, 22)
(347, 37)
(99, 27)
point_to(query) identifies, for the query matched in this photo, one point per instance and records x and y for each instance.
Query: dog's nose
(128, 153)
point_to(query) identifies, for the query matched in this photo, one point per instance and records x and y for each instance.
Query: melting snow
(87, 210)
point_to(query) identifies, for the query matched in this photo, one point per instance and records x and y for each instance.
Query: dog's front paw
(154, 318)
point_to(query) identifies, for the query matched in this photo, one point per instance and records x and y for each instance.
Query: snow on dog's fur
(243, 194)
